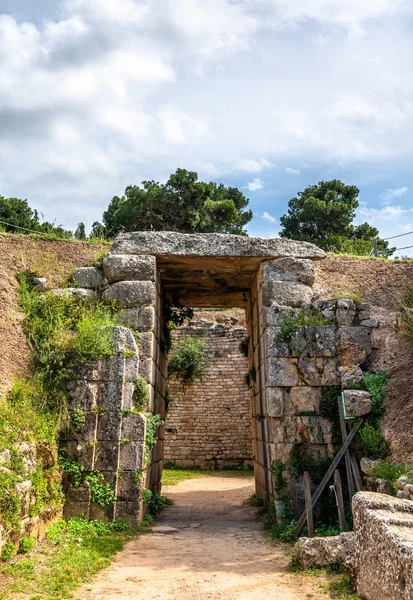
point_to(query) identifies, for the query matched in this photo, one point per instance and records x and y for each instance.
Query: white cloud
(251, 165)
(268, 217)
(394, 193)
(291, 171)
(391, 221)
(255, 184)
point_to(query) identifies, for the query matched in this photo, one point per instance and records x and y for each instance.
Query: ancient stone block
(326, 307)
(78, 494)
(131, 293)
(318, 372)
(320, 552)
(76, 509)
(168, 244)
(141, 319)
(298, 343)
(286, 293)
(131, 455)
(147, 369)
(304, 399)
(128, 510)
(147, 345)
(80, 293)
(282, 372)
(133, 427)
(367, 465)
(346, 312)
(350, 376)
(83, 452)
(274, 346)
(360, 336)
(275, 401)
(127, 395)
(131, 371)
(129, 486)
(88, 431)
(100, 513)
(357, 402)
(384, 546)
(111, 396)
(129, 267)
(124, 340)
(289, 269)
(89, 277)
(106, 455)
(321, 340)
(108, 426)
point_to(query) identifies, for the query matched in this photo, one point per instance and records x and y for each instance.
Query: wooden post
(356, 472)
(339, 499)
(328, 475)
(294, 499)
(308, 506)
(347, 454)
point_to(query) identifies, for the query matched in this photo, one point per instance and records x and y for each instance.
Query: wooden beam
(328, 475)
(347, 454)
(308, 505)
(339, 499)
(356, 472)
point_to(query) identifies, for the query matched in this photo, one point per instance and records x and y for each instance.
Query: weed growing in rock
(371, 443)
(7, 551)
(304, 318)
(77, 418)
(101, 492)
(141, 393)
(255, 500)
(188, 359)
(391, 472)
(26, 544)
(152, 424)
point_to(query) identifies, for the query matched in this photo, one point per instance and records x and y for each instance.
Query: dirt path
(218, 550)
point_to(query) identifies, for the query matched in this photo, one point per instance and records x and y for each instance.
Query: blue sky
(267, 95)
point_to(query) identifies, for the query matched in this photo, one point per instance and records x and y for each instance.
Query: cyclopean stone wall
(271, 280)
(208, 423)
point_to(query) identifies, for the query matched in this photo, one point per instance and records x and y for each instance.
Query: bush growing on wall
(188, 359)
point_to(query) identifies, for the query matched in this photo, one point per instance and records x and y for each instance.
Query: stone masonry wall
(208, 420)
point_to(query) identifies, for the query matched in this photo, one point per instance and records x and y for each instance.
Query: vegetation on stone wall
(141, 394)
(188, 359)
(303, 318)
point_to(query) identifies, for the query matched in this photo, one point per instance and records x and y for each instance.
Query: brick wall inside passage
(208, 421)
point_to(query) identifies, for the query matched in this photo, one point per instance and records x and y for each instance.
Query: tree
(181, 204)
(15, 211)
(80, 233)
(323, 214)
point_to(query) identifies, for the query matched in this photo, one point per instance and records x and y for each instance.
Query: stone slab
(129, 267)
(289, 269)
(170, 244)
(320, 552)
(141, 319)
(286, 293)
(131, 293)
(89, 277)
(357, 402)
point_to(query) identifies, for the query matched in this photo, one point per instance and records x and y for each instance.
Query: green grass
(172, 475)
(74, 552)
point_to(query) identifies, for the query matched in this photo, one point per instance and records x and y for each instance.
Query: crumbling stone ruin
(272, 281)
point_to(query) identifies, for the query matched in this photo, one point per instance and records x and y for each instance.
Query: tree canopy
(14, 211)
(323, 214)
(182, 204)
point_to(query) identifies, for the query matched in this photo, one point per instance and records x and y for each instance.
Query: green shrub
(73, 469)
(10, 502)
(146, 495)
(158, 503)
(94, 333)
(251, 377)
(375, 384)
(98, 261)
(255, 500)
(78, 418)
(7, 551)
(141, 393)
(152, 424)
(188, 359)
(243, 346)
(371, 443)
(26, 544)
(304, 318)
(391, 472)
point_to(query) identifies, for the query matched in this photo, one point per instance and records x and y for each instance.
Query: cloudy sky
(267, 95)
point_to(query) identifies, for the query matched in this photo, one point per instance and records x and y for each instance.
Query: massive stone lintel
(218, 245)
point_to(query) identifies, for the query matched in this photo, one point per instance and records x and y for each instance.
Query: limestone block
(83, 452)
(384, 546)
(360, 336)
(128, 511)
(23, 491)
(273, 345)
(27, 454)
(147, 345)
(89, 277)
(111, 396)
(321, 340)
(370, 323)
(363, 311)
(305, 399)
(123, 340)
(131, 371)
(88, 431)
(346, 312)
(351, 354)
(286, 293)
(330, 551)
(298, 343)
(141, 319)
(106, 455)
(282, 372)
(357, 402)
(127, 395)
(275, 401)
(147, 369)
(108, 426)
(318, 372)
(309, 430)
(326, 307)
(100, 513)
(40, 283)
(131, 293)
(168, 244)
(367, 465)
(350, 376)
(289, 269)
(80, 293)
(378, 485)
(131, 456)
(129, 487)
(129, 267)
(271, 316)
(133, 427)
(78, 494)
(76, 509)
